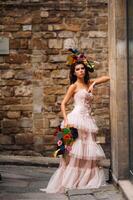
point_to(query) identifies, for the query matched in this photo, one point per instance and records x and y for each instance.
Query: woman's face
(80, 71)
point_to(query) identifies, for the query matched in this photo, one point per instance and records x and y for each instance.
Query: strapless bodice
(80, 117)
(83, 100)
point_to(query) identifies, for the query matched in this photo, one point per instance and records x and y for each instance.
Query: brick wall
(34, 77)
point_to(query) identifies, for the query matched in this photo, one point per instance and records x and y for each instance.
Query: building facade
(34, 76)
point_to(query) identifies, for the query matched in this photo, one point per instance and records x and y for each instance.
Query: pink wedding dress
(81, 171)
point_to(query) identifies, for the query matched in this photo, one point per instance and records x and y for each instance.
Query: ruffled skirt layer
(82, 120)
(79, 173)
(81, 170)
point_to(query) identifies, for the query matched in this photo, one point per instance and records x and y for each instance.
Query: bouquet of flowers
(64, 138)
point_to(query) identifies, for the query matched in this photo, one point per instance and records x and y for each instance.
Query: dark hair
(73, 77)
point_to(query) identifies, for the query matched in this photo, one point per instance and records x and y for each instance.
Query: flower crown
(76, 56)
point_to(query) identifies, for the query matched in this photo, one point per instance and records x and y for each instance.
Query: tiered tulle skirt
(80, 170)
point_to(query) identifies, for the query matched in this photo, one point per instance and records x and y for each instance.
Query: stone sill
(38, 161)
(42, 3)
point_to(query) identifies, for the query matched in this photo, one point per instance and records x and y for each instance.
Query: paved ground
(23, 183)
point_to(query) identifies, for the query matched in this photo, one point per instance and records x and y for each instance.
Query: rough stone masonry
(34, 76)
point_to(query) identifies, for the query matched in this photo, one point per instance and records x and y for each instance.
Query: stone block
(61, 81)
(10, 130)
(8, 20)
(53, 51)
(50, 27)
(49, 139)
(58, 27)
(23, 74)
(86, 43)
(26, 100)
(1, 59)
(36, 18)
(13, 115)
(26, 123)
(39, 148)
(49, 99)
(48, 66)
(102, 20)
(97, 34)
(38, 139)
(23, 34)
(38, 43)
(1, 27)
(7, 91)
(24, 138)
(46, 123)
(44, 14)
(24, 19)
(4, 139)
(55, 43)
(47, 35)
(54, 90)
(59, 73)
(38, 58)
(38, 123)
(14, 43)
(70, 43)
(27, 27)
(56, 108)
(24, 44)
(54, 122)
(26, 114)
(9, 100)
(53, 20)
(15, 58)
(10, 123)
(37, 116)
(73, 27)
(18, 107)
(4, 66)
(66, 34)
(23, 91)
(100, 139)
(57, 58)
(8, 74)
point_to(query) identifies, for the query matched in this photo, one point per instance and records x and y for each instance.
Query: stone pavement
(23, 183)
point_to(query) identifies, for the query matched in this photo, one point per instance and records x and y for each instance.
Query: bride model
(80, 170)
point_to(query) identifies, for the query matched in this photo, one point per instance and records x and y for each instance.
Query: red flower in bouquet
(67, 137)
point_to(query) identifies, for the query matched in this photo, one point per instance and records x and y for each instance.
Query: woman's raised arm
(96, 81)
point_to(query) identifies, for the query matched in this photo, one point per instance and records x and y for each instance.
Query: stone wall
(34, 77)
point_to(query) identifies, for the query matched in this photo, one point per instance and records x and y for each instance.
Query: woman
(80, 169)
